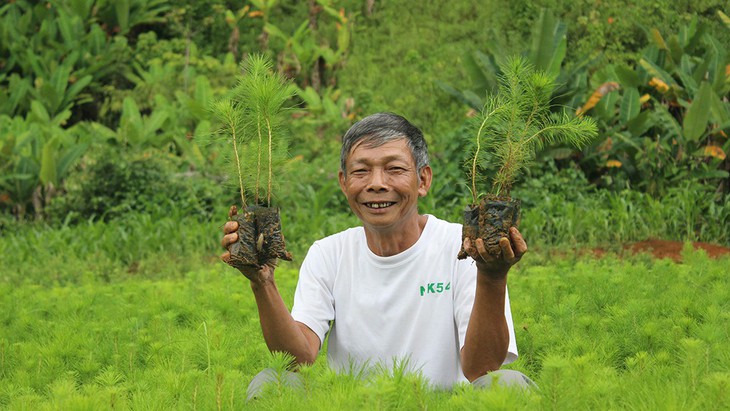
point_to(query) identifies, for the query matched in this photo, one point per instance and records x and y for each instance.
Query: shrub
(665, 118)
(614, 29)
(110, 184)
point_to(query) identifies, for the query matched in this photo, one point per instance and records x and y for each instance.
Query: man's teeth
(379, 205)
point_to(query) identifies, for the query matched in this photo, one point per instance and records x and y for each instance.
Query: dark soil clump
(260, 240)
(490, 220)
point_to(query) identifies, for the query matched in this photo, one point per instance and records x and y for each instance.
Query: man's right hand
(257, 276)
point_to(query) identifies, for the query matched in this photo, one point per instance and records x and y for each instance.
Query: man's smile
(378, 205)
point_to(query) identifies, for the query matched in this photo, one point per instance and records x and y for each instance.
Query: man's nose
(377, 180)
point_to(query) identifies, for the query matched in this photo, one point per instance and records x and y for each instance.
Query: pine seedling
(253, 118)
(514, 124)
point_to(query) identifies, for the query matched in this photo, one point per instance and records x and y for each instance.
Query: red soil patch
(669, 249)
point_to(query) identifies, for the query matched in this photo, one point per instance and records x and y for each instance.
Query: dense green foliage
(673, 114)
(615, 30)
(139, 76)
(112, 184)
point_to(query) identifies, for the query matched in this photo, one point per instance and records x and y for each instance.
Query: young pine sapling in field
(514, 124)
(252, 120)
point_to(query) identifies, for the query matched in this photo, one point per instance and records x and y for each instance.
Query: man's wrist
(492, 271)
(492, 279)
(262, 284)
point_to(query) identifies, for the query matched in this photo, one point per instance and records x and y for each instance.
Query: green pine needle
(252, 118)
(516, 123)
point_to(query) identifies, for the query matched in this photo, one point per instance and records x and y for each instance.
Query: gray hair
(380, 128)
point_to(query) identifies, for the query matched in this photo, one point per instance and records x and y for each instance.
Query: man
(393, 289)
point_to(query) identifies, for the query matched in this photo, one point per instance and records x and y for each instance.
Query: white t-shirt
(413, 306)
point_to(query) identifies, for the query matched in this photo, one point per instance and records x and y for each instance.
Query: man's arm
(487, 335)
(281, 332)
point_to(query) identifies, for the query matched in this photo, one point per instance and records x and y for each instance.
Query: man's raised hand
(257, 275)
(497, 266)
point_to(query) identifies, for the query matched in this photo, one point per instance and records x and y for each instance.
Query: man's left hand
(497, 266)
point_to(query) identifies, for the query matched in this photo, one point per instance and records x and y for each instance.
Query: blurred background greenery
(104, 114)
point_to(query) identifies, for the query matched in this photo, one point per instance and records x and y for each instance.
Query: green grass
(141, 245)
(399, 52)
(560, 211)
(135, 343)
(594, 334)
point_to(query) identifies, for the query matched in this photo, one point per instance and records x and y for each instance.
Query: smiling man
(393, 290)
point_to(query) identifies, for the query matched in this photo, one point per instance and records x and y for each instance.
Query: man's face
(382, 184)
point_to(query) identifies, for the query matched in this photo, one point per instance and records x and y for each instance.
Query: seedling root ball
(490, 220)
(260, 240)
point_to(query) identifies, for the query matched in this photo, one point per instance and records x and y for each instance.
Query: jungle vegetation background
(112, 195)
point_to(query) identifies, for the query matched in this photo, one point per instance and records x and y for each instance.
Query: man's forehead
(391, 149)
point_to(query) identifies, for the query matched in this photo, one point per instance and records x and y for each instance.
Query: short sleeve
(313, 298)
(465, 280)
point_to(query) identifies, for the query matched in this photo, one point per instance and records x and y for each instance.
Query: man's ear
(424, 183)
(341, 176)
